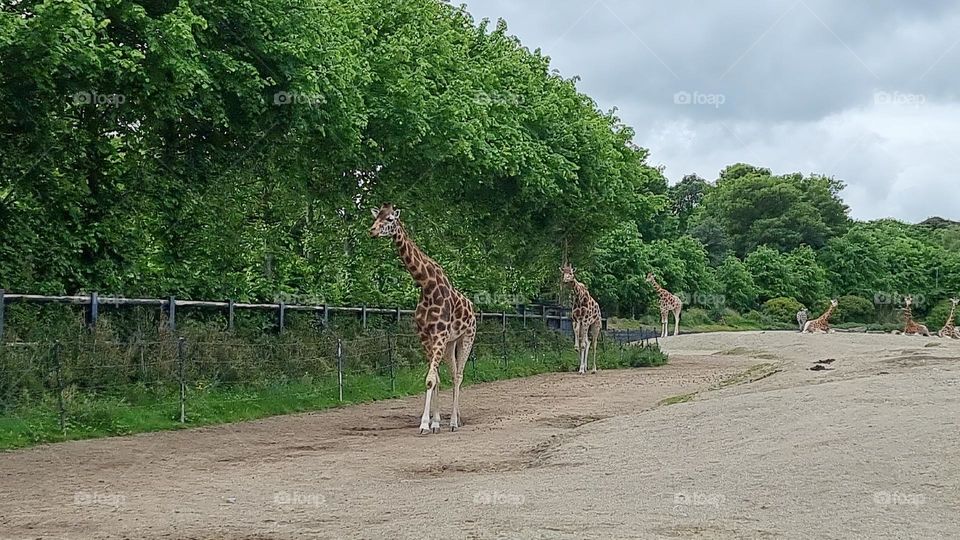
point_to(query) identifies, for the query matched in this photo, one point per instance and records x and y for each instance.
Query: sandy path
(865, 449)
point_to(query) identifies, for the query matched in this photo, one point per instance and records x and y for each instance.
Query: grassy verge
(135, 408)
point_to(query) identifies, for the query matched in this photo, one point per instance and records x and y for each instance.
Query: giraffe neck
(827, 313)
(415, 260)
(908, 314)
(580, 294)
(953, 311)
(660, 290)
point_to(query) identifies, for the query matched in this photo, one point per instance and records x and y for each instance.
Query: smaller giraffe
(586, 319)
(822, 323)
(912, 328)
(669, 303)
(802, 318)
(949, 330)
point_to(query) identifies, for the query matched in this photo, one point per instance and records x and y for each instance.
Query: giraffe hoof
(424, 428)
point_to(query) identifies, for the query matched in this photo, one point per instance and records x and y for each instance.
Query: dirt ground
(750, 443)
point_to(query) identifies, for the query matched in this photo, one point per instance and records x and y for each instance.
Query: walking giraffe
(669, 303)
(911, 327)
(444, 317)
(949, 330)
(821, 323)
(586, 318)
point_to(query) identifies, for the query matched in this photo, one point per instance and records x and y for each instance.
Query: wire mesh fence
(90, 384)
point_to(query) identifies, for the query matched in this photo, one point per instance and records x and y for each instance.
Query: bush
(694, 317)
(638, 356)
(782, 309)
(855, 309)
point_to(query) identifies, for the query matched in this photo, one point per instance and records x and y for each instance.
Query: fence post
(94, 310)
(523, 311)
(230, 315)
(172, 313)
(503, 337)
(390, 358)
(183, 383)
(398, 315)
(543, 312)
(2, 308)
(340, 367)
(143, 365)
(59, 371)
(363, 316)
(283, 310)
(326, 316)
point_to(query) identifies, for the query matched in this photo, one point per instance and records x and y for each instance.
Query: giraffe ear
(375, 212)
(396, 213)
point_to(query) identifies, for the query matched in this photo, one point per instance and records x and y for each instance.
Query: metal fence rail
(557, 316)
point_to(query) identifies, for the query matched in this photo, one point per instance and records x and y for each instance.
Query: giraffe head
(834, 302)
(908, 300)
(386, 220)
(651, 278)
(955, 301)
(566, 273)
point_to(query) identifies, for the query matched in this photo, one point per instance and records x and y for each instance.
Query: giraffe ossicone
(444, 317)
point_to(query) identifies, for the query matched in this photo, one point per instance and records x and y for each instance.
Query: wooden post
(59, 372)
(183, 383)
(340, 367)
(94, 313)
(172, 313)
(230, 315)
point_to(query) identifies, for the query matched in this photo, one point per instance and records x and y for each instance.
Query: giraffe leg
(462, 354)
(663, 324)
(676, 322)
(583, 349)
(595, 330)
(435, 355)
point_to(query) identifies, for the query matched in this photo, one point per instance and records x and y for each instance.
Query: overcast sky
(865, 91)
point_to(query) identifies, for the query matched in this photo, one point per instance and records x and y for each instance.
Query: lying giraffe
(949, 330)
(912, 328)
(586, 319)
(822, 323)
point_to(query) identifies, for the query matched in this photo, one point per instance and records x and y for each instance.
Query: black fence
(79, 383)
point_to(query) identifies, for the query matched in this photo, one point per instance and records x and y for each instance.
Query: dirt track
(766, 448)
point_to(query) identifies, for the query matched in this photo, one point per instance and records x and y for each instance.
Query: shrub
(694, 317)
(782, 309)
(855, 309)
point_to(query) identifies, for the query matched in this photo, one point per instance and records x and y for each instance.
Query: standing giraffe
(586, 319)
(949, 330)
(912, 328)
(802, 318)
(444, 317)
(821, 323)
(669, 303)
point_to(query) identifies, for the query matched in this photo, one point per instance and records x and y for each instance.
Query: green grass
(137, 409)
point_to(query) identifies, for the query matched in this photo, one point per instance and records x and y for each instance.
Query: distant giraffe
(444, 317)
(802, 318)
(949, 330)
(822, 323)
(669, 303)
(911, 327)
(586, 319)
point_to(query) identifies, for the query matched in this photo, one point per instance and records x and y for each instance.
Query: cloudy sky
(865, 91)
